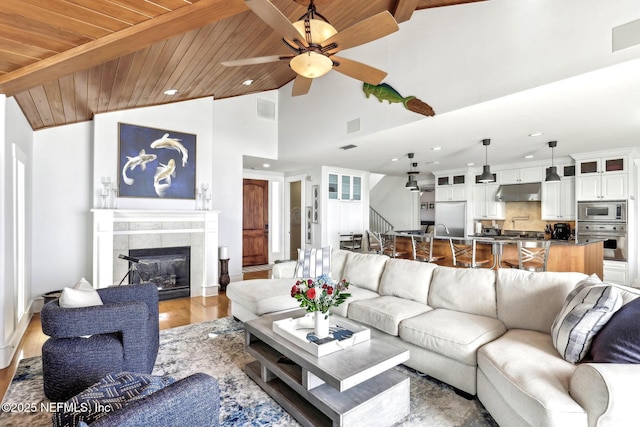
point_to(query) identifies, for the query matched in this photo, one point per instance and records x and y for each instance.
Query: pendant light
(412, 184)
(552, 174)
(486, 176)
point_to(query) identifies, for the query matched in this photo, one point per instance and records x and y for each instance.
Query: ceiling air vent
(348, 147)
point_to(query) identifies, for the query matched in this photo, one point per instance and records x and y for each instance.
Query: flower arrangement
(320, 293)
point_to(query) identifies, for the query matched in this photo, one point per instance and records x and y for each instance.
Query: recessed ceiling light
(436, 163)
(436, 148)
(536, 134)
(266, 165)
(395, 159)
(470, 164)
(247, 82)
(171, 92)
(529, 156)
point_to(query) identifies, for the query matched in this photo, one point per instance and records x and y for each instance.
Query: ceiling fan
(315, 42)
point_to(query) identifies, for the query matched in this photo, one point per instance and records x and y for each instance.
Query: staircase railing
(377, 222)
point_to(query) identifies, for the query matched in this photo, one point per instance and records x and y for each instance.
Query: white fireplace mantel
(204, 223)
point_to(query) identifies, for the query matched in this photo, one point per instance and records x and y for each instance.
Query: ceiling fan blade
(272, 16)
(365, 31)
(301, 86)
(256, 60)
(359, 71)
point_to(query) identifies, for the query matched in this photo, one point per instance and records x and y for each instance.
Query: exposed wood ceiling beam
(120, 43)
(404, 9)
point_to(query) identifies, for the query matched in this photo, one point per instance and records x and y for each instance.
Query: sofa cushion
(338, 261)
(619, 340)
(406, 279)
(357, 294)
(385, 313)
(525, 369)
(586, 310)
(531, 300)
(364, 270)
(470, 290)
(313, 262)
(451, 333)
(262, 296)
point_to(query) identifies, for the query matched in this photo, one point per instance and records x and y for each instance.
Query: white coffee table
(352, 387)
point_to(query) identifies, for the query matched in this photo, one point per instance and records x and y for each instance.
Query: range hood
(529, 192)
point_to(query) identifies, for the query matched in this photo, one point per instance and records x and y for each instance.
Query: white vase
(321, 324)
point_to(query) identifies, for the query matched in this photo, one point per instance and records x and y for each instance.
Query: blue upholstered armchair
(124, 336)
(191, 401)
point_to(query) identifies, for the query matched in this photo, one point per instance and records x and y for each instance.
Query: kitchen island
(564, 255)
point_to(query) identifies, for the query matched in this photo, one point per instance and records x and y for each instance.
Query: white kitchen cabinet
(615, 272)
(451, 193)
(558, 200)
(521, 175)
(485, 205)
(602, 178)
(345, 187)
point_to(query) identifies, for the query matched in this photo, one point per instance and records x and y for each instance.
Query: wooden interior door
(255, 222)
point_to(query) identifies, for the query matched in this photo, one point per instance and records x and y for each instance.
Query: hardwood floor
(173, 313)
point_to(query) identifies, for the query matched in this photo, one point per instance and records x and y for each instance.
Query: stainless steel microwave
(613, 211)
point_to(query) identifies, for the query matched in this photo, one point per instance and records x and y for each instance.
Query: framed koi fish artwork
(156, 163)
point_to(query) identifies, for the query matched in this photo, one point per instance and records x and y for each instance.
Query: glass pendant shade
(311, 64)
(320, 30)
(486, 176)
(411, 183)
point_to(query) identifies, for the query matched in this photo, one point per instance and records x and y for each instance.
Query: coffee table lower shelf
(382, 400)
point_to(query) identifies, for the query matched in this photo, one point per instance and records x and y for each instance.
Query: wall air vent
(266, 109)
(348, 147)
(353, 126)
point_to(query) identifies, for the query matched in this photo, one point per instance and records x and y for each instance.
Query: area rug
(217, 348)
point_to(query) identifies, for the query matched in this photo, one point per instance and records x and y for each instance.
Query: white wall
(396, 204)
(14, 130)
(62, 198)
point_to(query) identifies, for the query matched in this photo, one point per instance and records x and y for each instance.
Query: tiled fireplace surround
(115, 231)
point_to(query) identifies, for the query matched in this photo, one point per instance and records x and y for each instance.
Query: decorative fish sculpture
(384, 92)
(162, 178)
(172, 144)
(140, 160)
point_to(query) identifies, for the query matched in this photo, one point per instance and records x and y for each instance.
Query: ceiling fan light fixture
(311, 64)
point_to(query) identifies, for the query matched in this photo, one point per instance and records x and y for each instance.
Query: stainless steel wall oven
(605, 220)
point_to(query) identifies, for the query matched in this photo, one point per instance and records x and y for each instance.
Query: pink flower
(311, 293)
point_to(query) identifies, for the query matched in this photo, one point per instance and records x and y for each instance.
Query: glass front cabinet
(345, 187)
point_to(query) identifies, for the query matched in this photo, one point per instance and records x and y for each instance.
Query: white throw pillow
(586, 310)
(81, 295)
(313, 263)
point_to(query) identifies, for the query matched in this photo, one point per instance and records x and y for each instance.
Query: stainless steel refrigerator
(451, 216)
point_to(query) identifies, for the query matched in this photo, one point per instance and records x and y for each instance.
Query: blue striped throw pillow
(313, 263)
(586, 310)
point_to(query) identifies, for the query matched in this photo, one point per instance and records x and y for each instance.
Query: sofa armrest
(607, 392)
(284, 270)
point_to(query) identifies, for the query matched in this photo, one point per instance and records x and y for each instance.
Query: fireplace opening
(167, 268)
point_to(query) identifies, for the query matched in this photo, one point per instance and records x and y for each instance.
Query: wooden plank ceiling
(66, 60)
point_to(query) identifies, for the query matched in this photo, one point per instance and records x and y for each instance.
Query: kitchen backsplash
(525, 216)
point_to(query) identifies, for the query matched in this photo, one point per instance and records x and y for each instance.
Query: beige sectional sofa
(485, 332)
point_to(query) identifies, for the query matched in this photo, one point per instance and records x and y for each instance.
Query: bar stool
(463, 253)
(373, 242)
(422, 247)
(532, 255)
(389, 246)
